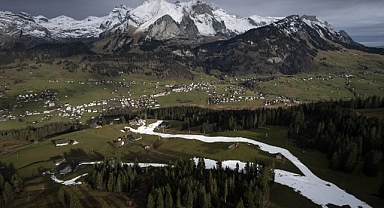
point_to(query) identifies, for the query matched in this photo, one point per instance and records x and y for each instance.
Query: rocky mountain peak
(202, 8)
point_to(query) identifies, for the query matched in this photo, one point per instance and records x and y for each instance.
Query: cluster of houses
(77, 111)
(6, 115)
(121, 84)
(45, 95)
(215, 99)
(345, 75)
(190, 87)
(282, 100)
(142, 102)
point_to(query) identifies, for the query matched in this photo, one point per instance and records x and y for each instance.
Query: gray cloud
(362, 20)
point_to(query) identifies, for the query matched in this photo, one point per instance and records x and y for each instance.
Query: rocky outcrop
(165, 28)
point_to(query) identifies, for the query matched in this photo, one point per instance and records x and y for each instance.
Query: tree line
(31, 133)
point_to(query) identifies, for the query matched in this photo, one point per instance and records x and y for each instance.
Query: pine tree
(371, 164)
(225, 195)
(335, 163)
(122, 120)
(178, 198)
(8, 192)
(17, 183)
(118, 187)
(203, 203)
(99, 181)
(240, 204)
(111, 182)
(188, 197)
(351, 159)
(151, 201)
(168, 198)
(2, 181)
(159, 199)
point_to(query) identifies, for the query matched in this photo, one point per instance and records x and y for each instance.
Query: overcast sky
(363, 20)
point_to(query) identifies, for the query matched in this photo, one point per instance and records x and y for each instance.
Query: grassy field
(376, 112)
(283, 196)
(94, 144)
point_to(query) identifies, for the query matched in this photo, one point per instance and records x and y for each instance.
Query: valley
(40, 92)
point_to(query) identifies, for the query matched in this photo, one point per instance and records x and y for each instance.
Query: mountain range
(195, 31)
(159, 19)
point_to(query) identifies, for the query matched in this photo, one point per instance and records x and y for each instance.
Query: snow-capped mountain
(61, 27)
(208, 19)
(192, 22)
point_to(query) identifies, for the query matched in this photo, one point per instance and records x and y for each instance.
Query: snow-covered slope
(151, 10)
(61, 27)
(208, 18)
(18, 24)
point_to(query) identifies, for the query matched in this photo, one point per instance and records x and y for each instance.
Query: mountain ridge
(209, 19)
(195, 33)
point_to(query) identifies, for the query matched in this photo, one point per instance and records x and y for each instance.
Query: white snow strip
(69, 182)
(309, 185)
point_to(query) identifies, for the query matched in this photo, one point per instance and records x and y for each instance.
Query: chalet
(66, 167)
(233, 146)
(165, 124)
(59, 143)
(137, 121)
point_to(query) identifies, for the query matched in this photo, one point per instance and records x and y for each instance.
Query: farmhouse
(165, 124)
(59, 143)
(66, 167)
